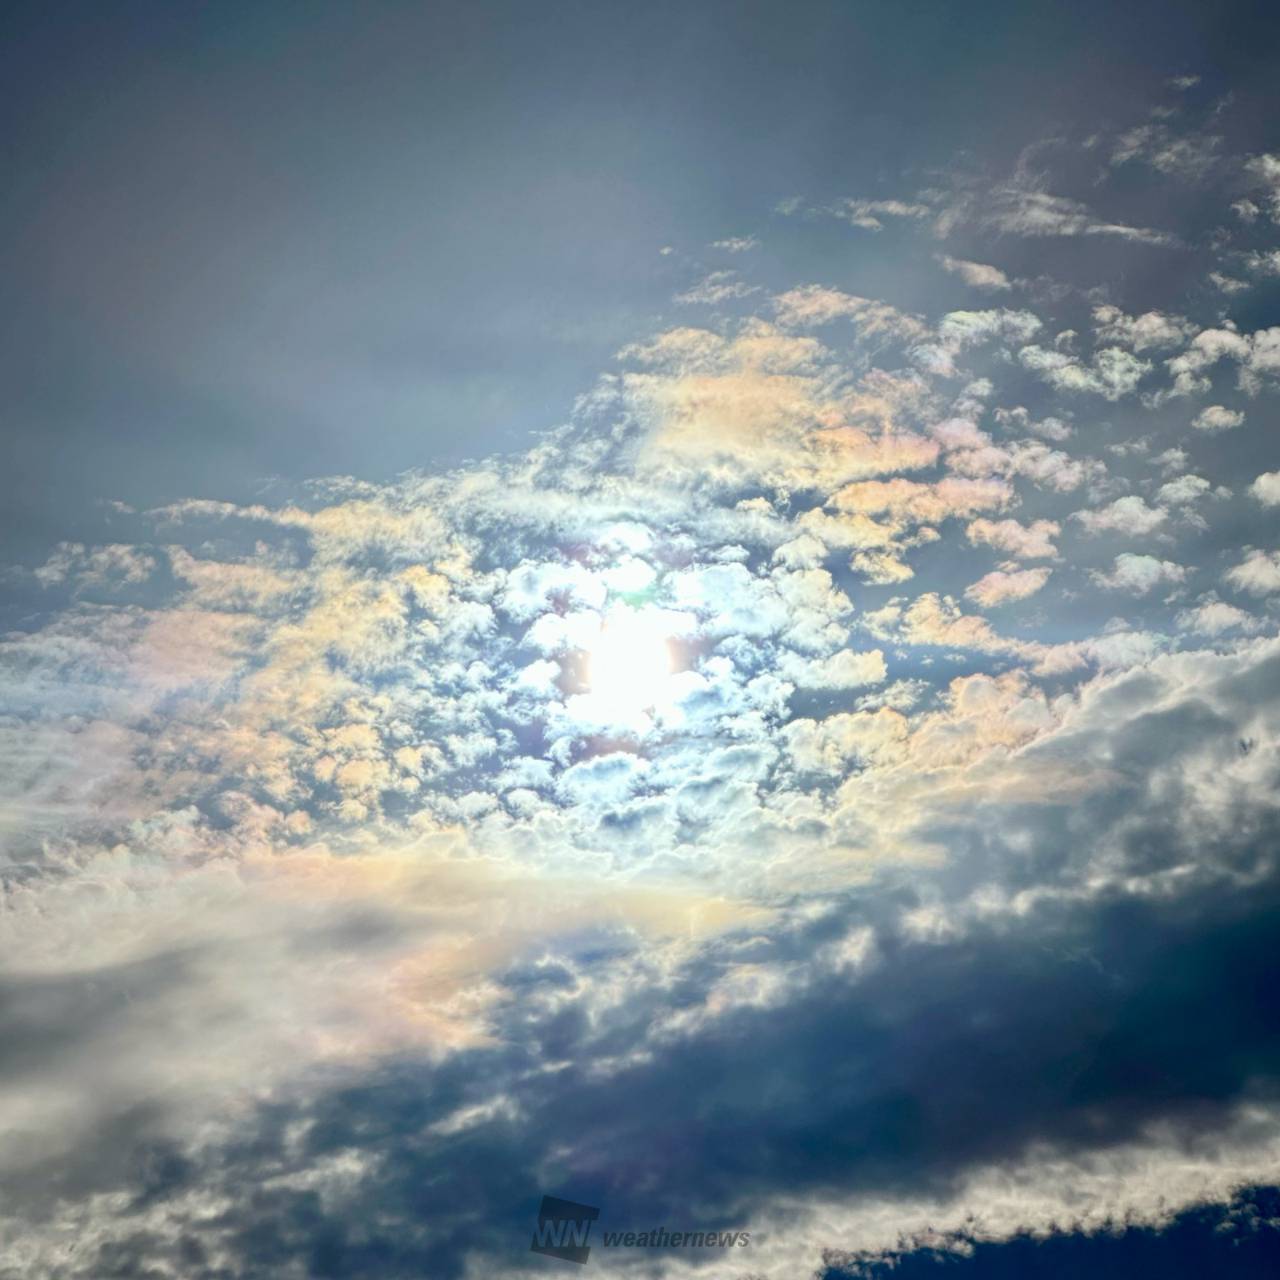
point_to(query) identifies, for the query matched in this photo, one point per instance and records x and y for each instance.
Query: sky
(673, 606)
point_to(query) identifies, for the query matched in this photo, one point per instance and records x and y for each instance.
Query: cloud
(1002, 586)
(1190, 157)
(976, 274)
(1266, 489)
(1215, 417)
(1139, 574)
(337, 874)
(1183, 491)
(1257, 354)
(1151, 331)
(1264, 172)
(717, 287)
(1024, 209)
(1213, 617)
(1258, 573)
(1113, 373)
(870, 214)
(1026, 542)
(1016, 963)
(1129, 515)
(913, 500)
(83, 567)
(845, 669)
(810, 306)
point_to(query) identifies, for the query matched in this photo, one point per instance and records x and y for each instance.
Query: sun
(629, 664)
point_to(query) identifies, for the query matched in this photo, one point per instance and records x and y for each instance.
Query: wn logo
(563, 1229)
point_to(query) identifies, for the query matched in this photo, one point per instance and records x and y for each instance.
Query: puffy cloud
(813, 305)
(958, 331)
(1139, 574)
(1027, 542)
(1215, 417)
(1129, 515)
(1264, 171)
(763, 406)
(1266, 488)
(1257, 354)
(86, 567)
(845, 669)
(1183, 490)
(1258, 573)
(1149, 331)
(1002, 586)
(1213, 617)
(1113, 373)
(911, 500)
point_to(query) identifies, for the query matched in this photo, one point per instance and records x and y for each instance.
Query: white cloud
(1139, 573)
(1112, 374)
(1182, 491)
(1004, 585)
(1027, 542)
(1258, 573)
(845, 669)
(813, 305)
(1213, 617)
(1025, 210)
(1129, 514)
(870, 214)
(1150, 331)
(1266, 489)
(1215, 417)
(717, 287)
(977, 274)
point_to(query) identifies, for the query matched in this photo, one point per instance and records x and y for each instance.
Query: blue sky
(671, 606)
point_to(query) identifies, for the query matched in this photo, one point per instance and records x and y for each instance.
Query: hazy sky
(248, 241)
(668, 605)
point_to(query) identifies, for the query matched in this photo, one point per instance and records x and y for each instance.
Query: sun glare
(629, 664)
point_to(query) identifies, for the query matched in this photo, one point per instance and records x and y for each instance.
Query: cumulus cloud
(1257, 356)
(1026, 542)
(1129, 515)
(1152, 330)
(1003, 585)
(1215, 417)
(1214, 617)
(1112, 374)
(1139, 573)
(1266, 489)
(1258, 573)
